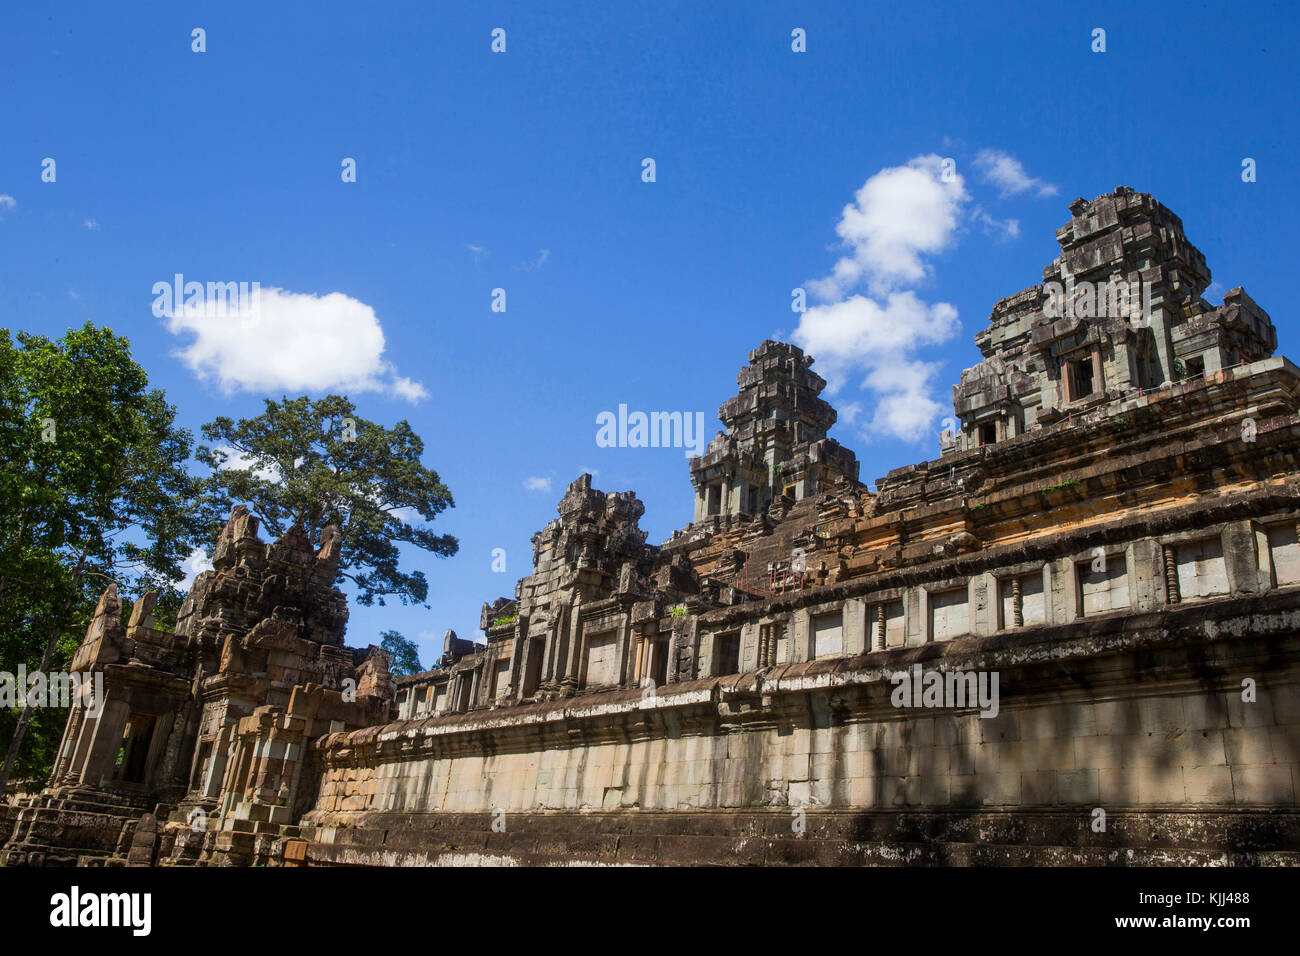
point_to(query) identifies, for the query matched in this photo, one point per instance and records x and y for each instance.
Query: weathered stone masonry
(210, 722)
(1112, 531)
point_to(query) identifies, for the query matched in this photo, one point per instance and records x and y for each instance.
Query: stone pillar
(232, 786)
(1164, 341)
(1171, 574)
(102, 754)
(573, 659)
(683, 650)
(880, 626)
(800, 637)
(623, 649)
(173, 768)
(854, 627)
(161, 731)
(517, 651)
(528, 650)
(638, 668)
(71, 731)
(1017, 605)
(552, 667)
(222, 751)
(476, 685)
(81, 748)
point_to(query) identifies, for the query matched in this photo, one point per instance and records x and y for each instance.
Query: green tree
(317, 463)
(93, 489)
(403, 655)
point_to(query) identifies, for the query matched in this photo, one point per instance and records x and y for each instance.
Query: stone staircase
(75, 827)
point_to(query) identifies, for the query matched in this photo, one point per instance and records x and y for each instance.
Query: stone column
(880, 627)
(1017, 605)
(81, 748)
(236, 777)
(1171, 574)
(573, 659)
(222, 750)
(104, 746)
(71, 731)
(553, 667)
(638, 641)
(527, 649)
(517, 651)
(476, 685)
(161, 731)
(623, 648)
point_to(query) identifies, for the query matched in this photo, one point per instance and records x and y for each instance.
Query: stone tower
(1119, 312)
(775, 442)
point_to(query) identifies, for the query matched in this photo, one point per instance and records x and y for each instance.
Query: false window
(726, 652)
(1082, 371)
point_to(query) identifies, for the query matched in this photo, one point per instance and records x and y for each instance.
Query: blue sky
(523, 170)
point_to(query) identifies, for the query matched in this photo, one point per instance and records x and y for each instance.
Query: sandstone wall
(1120, 714)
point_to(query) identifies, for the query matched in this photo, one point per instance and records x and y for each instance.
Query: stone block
(1263, 784)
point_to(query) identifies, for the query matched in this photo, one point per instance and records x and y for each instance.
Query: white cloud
(91, 224)
(999, 229)
(408, 388)
(905, 406)
(478, 252)
(236, 460)
(534, 265)
(193, 566)
(863, 333)
(899, 215)
(409, 516)
(537, 484)
(7, 202)
(1004, 171)
(291, 341)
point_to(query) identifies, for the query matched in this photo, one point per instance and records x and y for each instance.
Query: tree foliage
(317, 463)
(403, 655)
(93, 489)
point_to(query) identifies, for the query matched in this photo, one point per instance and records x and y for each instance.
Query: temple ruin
(1111, 530)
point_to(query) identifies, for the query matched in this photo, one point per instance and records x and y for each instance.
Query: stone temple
(1108, 540)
